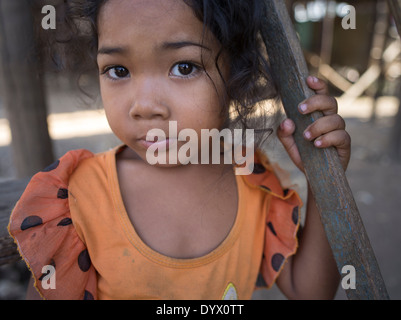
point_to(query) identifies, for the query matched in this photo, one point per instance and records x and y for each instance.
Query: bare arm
(312, 272)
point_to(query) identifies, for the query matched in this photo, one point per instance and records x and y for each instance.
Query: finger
(317, 85)
(285, 135)
(287, 128)
(324, 125)
(339, 139)
(326, 104)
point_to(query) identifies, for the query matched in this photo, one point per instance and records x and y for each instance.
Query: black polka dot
(88, 296)
(270, 225)
(295, 215)
(277, 261)
(62, 193)
(84, 261)
(53, 166)
(258, 168)
(51, 263)
(265, 188)
(30, 222)
(285, 191)
(260, 281)
(65, 222)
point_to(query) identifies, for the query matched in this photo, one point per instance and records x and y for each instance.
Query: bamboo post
(338, 210)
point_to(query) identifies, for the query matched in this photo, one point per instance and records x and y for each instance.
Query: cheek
(212, 96)
(205, 110)
(106, 93)
(114, 110)
(114, 123)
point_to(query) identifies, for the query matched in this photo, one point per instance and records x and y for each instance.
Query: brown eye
(117, 72)
(121, 72)
(184, 70)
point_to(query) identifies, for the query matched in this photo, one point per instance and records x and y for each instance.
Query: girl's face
(157, 64)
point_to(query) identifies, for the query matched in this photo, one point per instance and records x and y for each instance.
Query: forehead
(145, 20)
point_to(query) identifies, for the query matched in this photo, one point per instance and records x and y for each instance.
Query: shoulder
(46, 189)
(267, 176)
(42, 227)
(282, 214)
(90, 168)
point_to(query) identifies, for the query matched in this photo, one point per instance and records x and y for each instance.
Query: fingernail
(307, 135)
(287, 124)
(315, 80)
(303, 107)
(318, 143)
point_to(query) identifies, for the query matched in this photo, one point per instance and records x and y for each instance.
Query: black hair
(235, 23)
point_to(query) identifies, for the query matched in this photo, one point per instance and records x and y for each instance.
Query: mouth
(160, 143)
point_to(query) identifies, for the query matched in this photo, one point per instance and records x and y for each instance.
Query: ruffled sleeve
(282, 219)
(42, 228)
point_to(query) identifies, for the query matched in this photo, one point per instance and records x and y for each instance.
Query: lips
(157, 142)
(159, 139)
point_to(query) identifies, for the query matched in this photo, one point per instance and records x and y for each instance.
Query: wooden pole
(327, 34)
(395, 135)
(22, 89)
(395, 9)
(339, 214)
(395, 139)
(379, 41)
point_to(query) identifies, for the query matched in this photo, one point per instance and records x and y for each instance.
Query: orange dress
(72, 217)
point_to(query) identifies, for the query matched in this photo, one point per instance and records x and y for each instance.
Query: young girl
(112, 226)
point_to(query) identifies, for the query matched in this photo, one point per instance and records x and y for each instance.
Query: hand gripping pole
(326, 177)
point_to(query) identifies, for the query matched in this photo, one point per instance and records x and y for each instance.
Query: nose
(147, 102)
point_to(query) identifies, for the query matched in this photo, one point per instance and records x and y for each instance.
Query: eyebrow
(112, 50)
(165, 46)
(182, 44)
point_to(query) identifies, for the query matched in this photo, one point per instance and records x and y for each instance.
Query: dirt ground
(373, 176)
